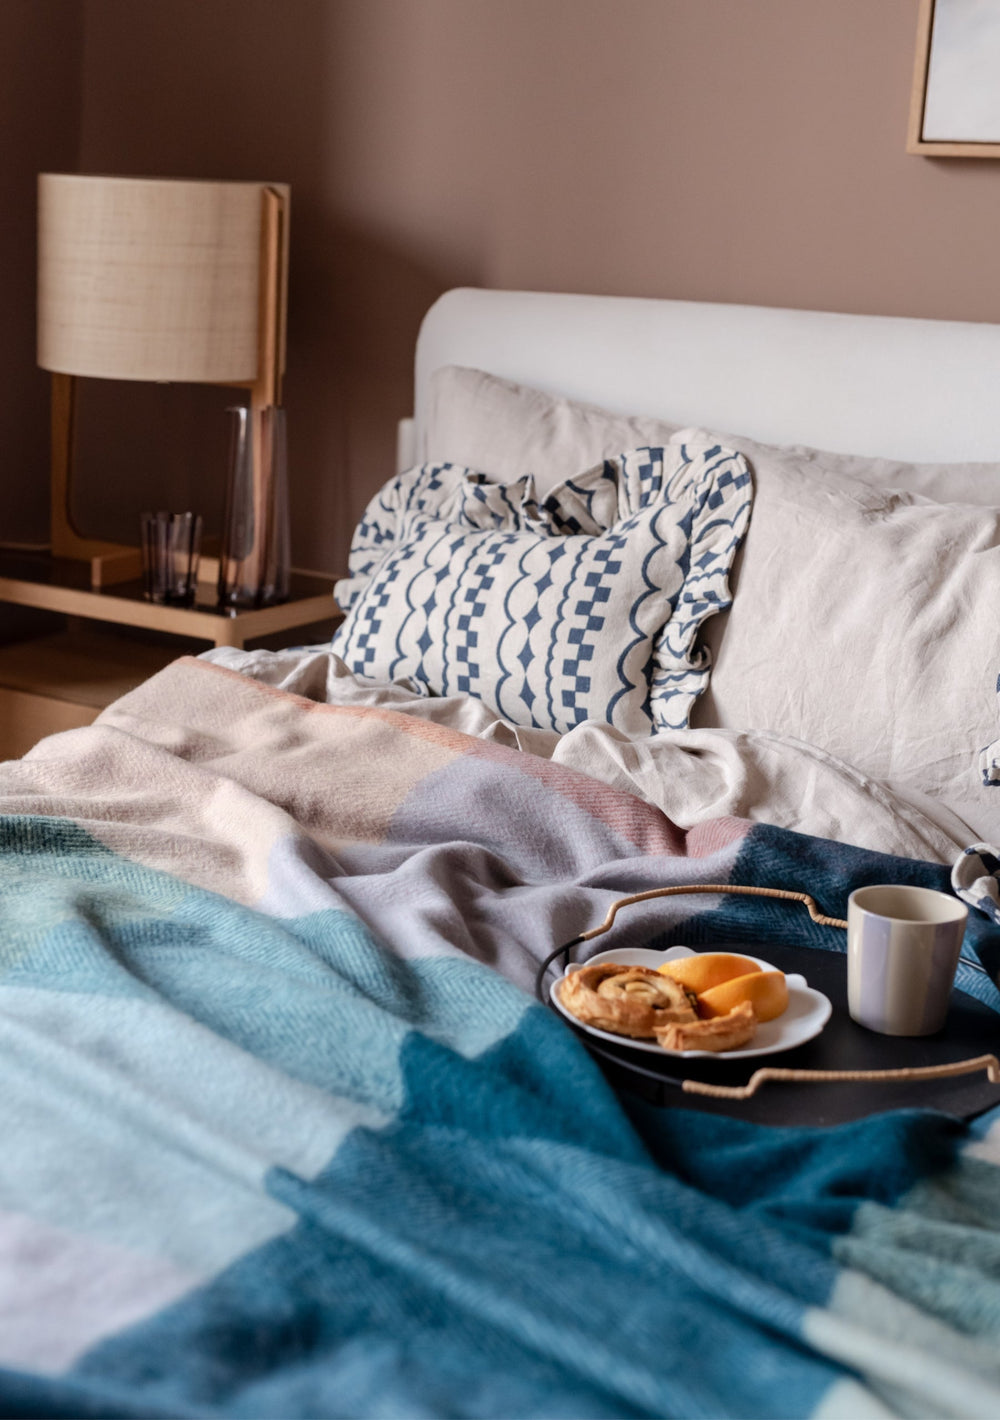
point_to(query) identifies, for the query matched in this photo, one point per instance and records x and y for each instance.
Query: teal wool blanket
(284, 1133)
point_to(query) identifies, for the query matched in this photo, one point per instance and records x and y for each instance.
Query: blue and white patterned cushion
(975, 877)
(582, 607)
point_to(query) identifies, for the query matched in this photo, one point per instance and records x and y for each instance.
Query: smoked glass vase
(255, 554)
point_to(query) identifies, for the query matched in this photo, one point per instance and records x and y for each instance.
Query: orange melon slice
(767, 992)
(707, 969)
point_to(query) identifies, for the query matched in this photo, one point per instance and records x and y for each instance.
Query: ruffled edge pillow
(583, 606)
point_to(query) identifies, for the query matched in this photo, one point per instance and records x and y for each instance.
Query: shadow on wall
(246, 89)
(356, 343)
(39, 110)
(355, 308)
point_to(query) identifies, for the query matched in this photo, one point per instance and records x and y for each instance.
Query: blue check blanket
(284, 1133)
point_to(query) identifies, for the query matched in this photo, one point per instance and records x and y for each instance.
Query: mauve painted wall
(40, 71)
(707, 149)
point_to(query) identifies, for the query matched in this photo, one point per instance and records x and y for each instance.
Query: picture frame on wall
(955, 103)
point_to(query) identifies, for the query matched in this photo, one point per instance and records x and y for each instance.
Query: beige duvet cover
(691, 775)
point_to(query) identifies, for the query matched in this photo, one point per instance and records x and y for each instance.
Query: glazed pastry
(626, 1000)
(729, 1032)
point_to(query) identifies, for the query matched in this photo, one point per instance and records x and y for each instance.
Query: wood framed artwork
(955, 104)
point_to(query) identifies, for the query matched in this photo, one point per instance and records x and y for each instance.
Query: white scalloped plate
(807, 1012)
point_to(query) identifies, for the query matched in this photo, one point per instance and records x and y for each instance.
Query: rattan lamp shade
(149, 279)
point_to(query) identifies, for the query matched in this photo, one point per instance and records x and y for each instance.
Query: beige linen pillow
(785, 662)
(977, 483)
(507, 430)
(865, 621)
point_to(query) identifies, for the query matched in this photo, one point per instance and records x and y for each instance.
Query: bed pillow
(989, 761)
(865, 621)
(584, 606)
(507, 429)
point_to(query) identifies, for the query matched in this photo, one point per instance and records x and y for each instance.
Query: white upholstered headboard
(884, 386)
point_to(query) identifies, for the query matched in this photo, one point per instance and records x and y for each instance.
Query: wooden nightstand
(113, 639)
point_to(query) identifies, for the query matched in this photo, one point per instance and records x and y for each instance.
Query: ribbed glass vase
(255, 555)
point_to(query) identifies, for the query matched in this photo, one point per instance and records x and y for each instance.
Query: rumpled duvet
(283, 1131)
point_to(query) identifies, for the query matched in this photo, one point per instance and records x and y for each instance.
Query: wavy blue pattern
(651, 588)
(505, 671)
(401, 663)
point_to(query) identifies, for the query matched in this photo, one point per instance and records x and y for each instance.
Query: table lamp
(163, 280)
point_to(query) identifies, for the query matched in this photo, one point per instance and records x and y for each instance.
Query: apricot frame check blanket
(284, 1133)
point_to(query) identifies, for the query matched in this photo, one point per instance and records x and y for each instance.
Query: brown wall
(40, 71)
(741, 150)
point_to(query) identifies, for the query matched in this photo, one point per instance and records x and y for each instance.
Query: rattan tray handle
(771, 1073)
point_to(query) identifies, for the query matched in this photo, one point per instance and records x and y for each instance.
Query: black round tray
(972, 1029)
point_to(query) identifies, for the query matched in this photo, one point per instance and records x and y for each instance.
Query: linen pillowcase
(989, 760)
(507, 429)
(585, 606)
(499, 421)
(864, 621)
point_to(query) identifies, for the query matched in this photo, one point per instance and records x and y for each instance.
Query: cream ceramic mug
(902, 951)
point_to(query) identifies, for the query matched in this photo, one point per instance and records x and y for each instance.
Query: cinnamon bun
(625, 1000)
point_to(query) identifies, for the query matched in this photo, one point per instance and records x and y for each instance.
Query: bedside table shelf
(62, 585)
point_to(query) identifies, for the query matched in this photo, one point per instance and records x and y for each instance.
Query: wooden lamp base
(110, 562)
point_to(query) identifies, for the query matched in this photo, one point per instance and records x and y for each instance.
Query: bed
(287, 1128)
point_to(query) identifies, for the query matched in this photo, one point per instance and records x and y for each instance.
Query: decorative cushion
(864, 621)
(582, 607)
